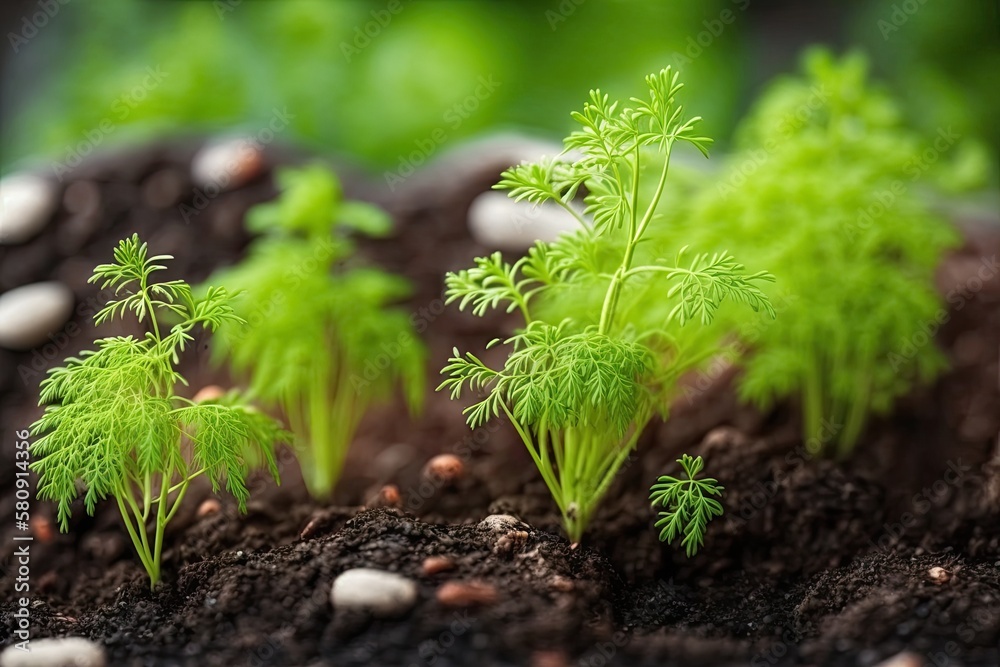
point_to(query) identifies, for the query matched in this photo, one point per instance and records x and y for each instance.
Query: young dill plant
(321, 340)
(113, 424)
(688, 504)
(585, 375)
(836, 212)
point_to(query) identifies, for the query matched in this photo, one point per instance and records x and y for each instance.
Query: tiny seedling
(579, 388)
(321, 338)
(113, 424)
(688, 504)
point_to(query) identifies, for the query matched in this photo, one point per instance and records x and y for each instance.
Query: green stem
(557, 439)
(147, 496)
(547, 473)
(522, 304)
(137, 513)
(177, 503)
(651, 210)
(149, 309)
(624, 450)
(856, 417)
(635, 189)
(136, 542)
(161, 524)
(343, 422)
(636, 230)
(179, 485)
(186, 480)
(572, 211)
(671, 271)
(546, 441)
(813, 409)
(322, 441)
(578, 443)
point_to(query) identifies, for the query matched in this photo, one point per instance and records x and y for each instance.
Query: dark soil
(815, 563)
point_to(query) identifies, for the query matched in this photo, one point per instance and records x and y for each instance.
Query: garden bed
(815, 562)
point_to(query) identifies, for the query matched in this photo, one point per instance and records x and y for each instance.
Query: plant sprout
(688, 505)
(321, 338)
(580, 388)
(113, 424)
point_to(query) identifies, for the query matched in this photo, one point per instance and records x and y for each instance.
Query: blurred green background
(370, 79)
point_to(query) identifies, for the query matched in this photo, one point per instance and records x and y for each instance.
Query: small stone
(561, 584)
(42, 529)
(312, 528)
(466, 594)
(387, 496)
(208, 507)
(61, 652)
(477, 162)
(226, 164)
(326, 521)
(904, 659)
(382, 594)
(510, 543)
(27, 202)
(549, 659)
(501, 524)
(210, 392)
(500, 223)
(436, 564)
(447, 468)
(30, 313)
(723, 437)
(939, 575)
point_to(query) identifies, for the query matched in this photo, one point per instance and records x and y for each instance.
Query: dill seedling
(580, 388)
(688, 505)
(113, 424)
(321, 339)
(835, 210)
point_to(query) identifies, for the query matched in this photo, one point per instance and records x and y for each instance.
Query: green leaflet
(688, 503)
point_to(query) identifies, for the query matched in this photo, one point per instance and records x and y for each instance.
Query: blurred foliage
(828, 192)
(228, 64)
(322, 337)
(943, 59)
(372, 78)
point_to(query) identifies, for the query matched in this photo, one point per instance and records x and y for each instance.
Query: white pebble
(477, 161)
(939, 575)
(501, 524)
(904, 659)
(29, 314)
(503, 149)
(225, 164)
(382, 594)
(61, 652)
(500, 223)
(26, 204)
